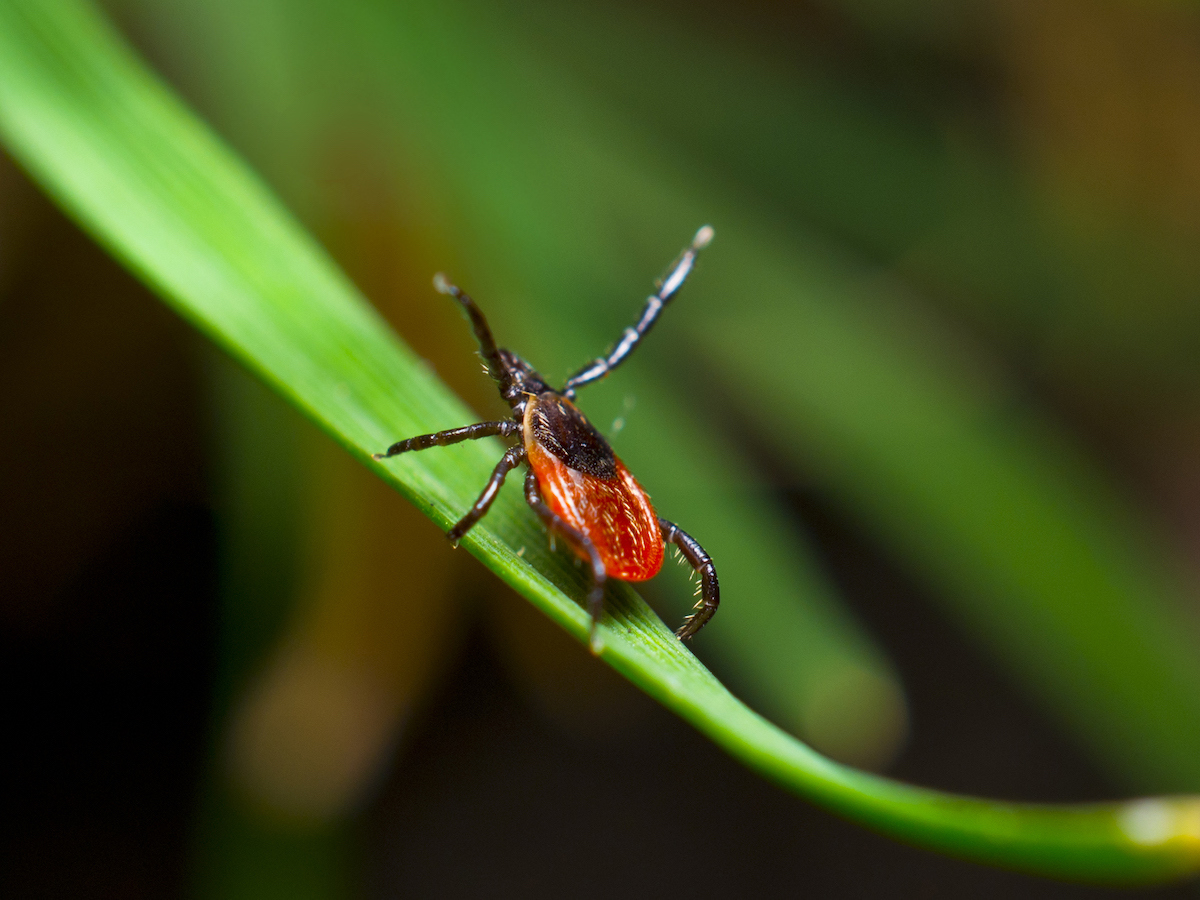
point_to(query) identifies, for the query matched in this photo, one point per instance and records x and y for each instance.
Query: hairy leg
(710, 592)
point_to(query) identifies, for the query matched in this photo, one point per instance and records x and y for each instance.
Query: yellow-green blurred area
(931, 400)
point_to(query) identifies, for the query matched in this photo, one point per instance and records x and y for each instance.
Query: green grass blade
(143, 175)
(796, 652)
(1048, 570)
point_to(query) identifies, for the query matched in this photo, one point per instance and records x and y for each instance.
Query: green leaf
(981, 494)
(110, 142)
(983, 498)
(795, 651)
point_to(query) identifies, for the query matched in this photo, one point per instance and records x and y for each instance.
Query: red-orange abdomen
(614, 513)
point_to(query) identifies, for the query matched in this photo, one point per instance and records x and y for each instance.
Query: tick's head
(521, 380)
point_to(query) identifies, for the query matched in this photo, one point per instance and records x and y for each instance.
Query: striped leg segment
(655, 304)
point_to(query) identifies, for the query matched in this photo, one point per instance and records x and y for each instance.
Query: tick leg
(483, 333)
(508, 462)
(452, 436)
(655, 304)
(710, 593)
(555, 523)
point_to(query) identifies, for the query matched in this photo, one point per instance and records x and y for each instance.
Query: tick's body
(585, 485)
(575, 483)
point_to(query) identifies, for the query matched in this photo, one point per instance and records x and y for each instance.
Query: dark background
(114, 563)
(111, 665)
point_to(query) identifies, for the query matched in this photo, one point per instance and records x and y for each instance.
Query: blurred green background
(930, 401)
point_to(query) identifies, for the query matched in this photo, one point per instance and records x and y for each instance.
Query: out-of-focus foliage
(932, 448)
(927, 293)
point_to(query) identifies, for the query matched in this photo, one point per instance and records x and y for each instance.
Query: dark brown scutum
(559, 426)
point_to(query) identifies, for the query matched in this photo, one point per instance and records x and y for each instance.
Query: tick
(575, 483)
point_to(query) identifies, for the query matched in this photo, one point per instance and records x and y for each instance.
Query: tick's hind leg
(452, 436)
(513, 458)
(710, 592)
(555, 523)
